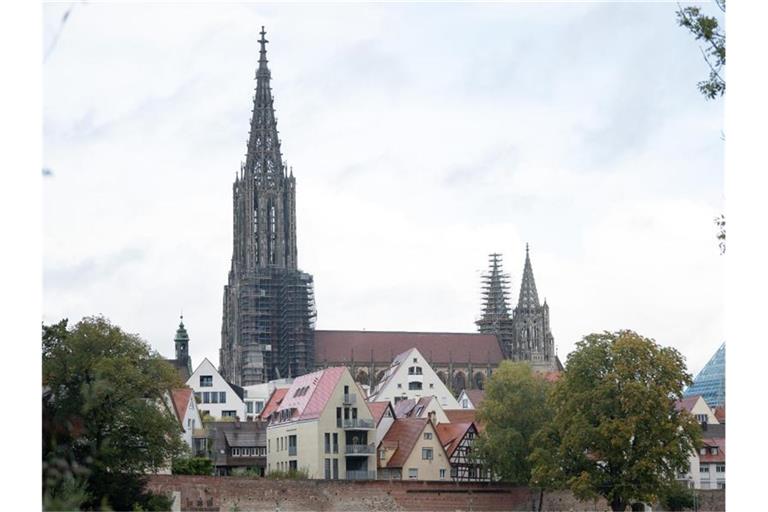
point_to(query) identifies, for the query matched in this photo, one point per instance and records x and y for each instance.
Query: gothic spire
(495, 291)
(529, 298)
(181, 332)
(263, 156)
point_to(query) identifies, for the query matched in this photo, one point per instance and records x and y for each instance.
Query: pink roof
(180, 398)
(382, 346)
(378, 408)
(687, 403)
(272, 404)
(309, 403)
(720, 443)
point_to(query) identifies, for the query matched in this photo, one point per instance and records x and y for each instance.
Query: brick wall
(209, 493)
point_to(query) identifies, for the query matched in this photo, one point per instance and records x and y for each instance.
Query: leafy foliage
(514, 408)
(677, 497)
(707, 30)
(192, 466)
(105, 420)
(616, 432)
(291, 474)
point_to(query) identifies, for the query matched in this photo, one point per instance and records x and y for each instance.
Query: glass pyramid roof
(710, 382)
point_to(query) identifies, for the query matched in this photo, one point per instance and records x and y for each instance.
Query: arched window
(272, 233)
(479, 380)
(459, 381)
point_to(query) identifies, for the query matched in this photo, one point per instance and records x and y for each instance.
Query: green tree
(707, 30)
(515, 407)
(677, 497)
(192, 466)
(105, 420)
(616, 432)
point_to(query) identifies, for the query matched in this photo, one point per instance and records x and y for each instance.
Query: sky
(422, 137)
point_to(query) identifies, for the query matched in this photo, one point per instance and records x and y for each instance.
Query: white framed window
(206, 381)
(442, 474)
(703, 468)
(427, 435)
(413, 473)
(426, 454)
(720, 468)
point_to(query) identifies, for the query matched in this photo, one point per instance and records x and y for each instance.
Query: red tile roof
(377, 409)
(687, 403)
(273, 402)
(464, 416)
(383, 346)
(451, 434)
(402, 436)
(180, 398)
(476, 396)
(720, 413)
(719, 442)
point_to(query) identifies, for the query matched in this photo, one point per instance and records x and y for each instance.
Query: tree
(515, 407)
(707, 30)
(105, 420)
(677, 497)
(616, 432)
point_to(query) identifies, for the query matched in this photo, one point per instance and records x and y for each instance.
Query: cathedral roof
(383, 346)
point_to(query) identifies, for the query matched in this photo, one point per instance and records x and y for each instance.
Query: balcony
(291, 451)
(361, 475)
(355, 423)
(360, 449)
(350, 399)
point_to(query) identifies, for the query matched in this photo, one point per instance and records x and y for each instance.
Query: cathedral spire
(263, 156)
(529, 298)
(495, 291)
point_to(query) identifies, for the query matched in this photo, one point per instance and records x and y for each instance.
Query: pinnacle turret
(529, 298)
(495, 290)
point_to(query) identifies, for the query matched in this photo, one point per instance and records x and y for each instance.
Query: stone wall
(209, 493)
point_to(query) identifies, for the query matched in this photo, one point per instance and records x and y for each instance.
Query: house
(424, 407)
(458, 439)
(712, 463)
(411, 450)
(383, 417)
(471, 398)
(696, 406)
(185, 409)
(256, 396)
(233, 445)
(214, 395)
(411, 377)
(322, 425)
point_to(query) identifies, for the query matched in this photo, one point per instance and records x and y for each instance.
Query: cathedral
(267, 327)
(269, 312)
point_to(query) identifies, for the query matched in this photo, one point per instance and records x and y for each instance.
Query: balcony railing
(291, 451)
(354, 423)
(350, 399)
(361, 475)
(360, 449)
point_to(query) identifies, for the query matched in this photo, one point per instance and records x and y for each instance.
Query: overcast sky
(422, 138)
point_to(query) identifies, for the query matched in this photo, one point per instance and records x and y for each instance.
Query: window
(703, 451)
(235, 452)
(415, 360)
(464, 403)
(720, 468)
(442, 474)
(249, 407)
(327, 469)
(228, 414)
(413, 473)
(335, 442)
(335, 469)
(269, 446)
(419, 410)
(399, 386)
(713, 450)
(426, 454)
(431, 385)
(222, 397)
(703, 468)
(327, 443)
(293, 465)
(382, 454)
(259, 406)
(427, 435)
(721, 484)
(206, 397)
(414, 385)
(206, 381)
(214, 397)
(701, 418)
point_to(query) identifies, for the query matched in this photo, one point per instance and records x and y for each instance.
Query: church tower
(268, 309)
(495, 318)
(531, 337)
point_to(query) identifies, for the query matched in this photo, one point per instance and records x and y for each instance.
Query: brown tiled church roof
(437, 347)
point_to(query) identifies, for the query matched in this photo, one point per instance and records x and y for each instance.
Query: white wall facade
(205, 381)
(413, 377)
(190, 422)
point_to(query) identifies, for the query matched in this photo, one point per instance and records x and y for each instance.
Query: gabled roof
(180, 399)
(377, 410)
(476, 396)
(464, 416)
(308, 395)
(380, 346)
(273, 402)
(720, 413)
(403, 435)
(687, 403)
(404, 407)
(451, 434)
(720, 443)
(254, 434)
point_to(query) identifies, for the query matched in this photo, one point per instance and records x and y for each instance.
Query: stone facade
(268, 307)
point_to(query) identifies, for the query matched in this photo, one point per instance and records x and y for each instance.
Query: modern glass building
(710, 382)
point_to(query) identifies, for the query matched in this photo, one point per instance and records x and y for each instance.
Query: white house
(184, 407)
(214, 395)
(471, 398)
(256, 396)
(411, 377)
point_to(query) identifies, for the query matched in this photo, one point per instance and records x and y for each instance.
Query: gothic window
(258, 142)
(459, 381)
(269, 144)
(272, 233)
(479, 380)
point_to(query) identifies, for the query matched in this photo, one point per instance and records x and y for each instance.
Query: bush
(253, 472)
(291, 474)
(192, 466)
(677, 497)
